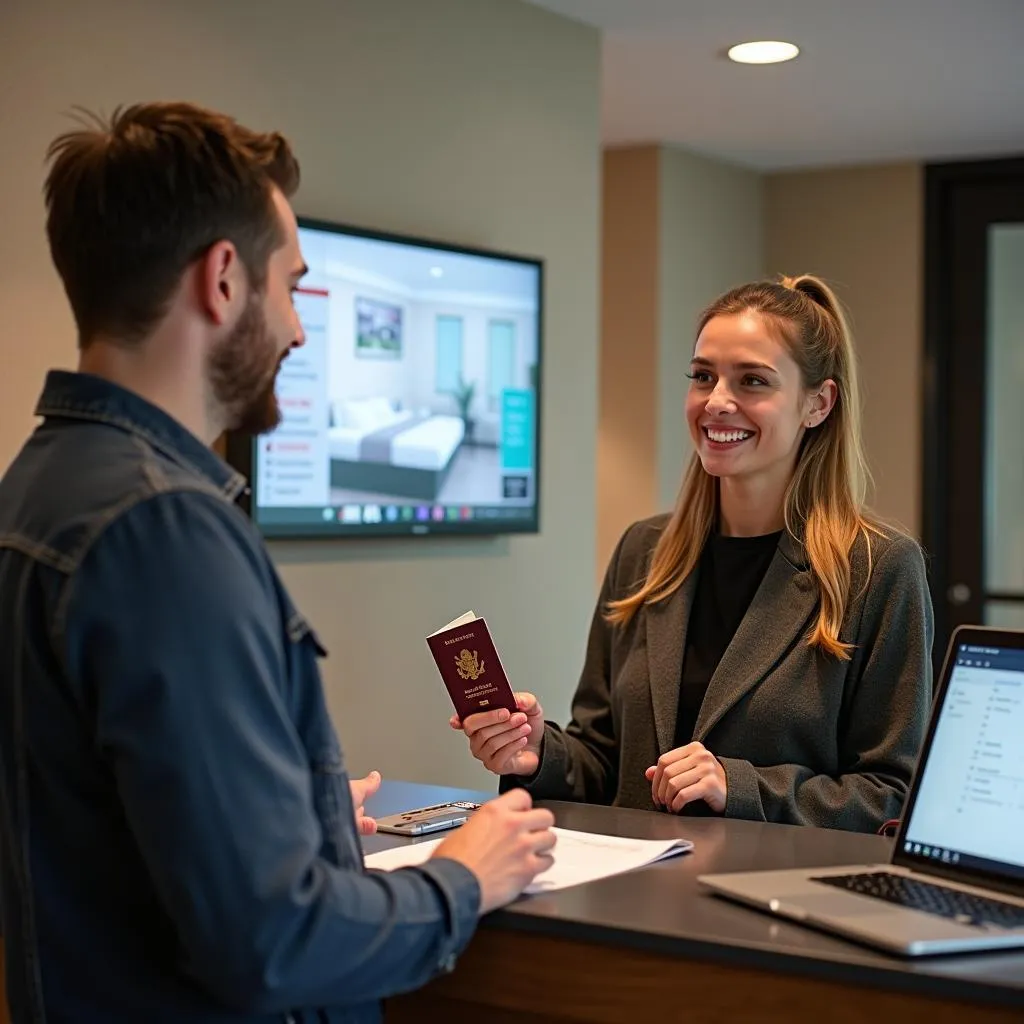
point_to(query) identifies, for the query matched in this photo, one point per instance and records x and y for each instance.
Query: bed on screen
(374, 447)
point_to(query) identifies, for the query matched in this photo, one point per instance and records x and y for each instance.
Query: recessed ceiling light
(436, 272)
(764, 51)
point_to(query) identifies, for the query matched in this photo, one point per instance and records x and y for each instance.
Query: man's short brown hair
(132, 203)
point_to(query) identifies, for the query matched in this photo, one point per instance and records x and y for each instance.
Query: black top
(729, 573)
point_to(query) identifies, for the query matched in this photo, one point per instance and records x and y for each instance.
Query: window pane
(1004, 455)
(1005, 614)
(449, 354)
(501, 357)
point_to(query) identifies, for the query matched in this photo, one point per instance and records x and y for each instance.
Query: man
(180, 836)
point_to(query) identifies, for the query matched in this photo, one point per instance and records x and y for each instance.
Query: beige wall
(710, 241)
(408, 116)
(627, 450)
(861, 229)
(679, 229)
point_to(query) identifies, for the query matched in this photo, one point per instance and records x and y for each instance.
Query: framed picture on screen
(378, 329)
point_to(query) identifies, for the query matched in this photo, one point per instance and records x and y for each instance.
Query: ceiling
(876, 81)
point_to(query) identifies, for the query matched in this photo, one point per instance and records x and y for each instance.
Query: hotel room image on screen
(413, 405)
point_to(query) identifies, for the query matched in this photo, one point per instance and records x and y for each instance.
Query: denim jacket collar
(84, 396)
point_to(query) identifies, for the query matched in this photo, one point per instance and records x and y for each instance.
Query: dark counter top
(662, 908)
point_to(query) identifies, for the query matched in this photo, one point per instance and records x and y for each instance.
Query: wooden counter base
(507, 976)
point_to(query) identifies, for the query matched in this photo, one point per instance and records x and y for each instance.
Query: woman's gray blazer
(804, 738)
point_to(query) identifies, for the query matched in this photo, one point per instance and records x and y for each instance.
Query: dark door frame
(959, 202)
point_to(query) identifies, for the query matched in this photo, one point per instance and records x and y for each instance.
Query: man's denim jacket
(178, 834)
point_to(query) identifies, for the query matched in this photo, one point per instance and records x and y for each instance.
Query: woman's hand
(506, 744)
(686, 774)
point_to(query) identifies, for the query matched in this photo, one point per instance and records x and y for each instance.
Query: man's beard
(243, 372)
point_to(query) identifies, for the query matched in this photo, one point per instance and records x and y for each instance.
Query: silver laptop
(955, 882)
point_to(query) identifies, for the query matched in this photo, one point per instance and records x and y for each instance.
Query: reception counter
(651, 945)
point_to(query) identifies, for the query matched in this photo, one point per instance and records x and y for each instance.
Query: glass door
(1003, 542)
(974, 423)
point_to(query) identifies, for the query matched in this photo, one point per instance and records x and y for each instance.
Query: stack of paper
(579, 857)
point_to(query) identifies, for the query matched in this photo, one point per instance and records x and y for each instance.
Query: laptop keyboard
(959, 906)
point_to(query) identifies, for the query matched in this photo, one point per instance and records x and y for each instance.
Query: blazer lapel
(666, 624)
(779, 614)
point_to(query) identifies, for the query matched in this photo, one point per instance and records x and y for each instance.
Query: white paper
(579, 857)
(464, 618)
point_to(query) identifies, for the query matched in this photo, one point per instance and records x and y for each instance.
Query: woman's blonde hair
(824, 501)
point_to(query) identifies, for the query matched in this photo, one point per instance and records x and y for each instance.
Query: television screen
(413, 405)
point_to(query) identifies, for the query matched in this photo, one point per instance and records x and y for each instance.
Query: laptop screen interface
(969, 808)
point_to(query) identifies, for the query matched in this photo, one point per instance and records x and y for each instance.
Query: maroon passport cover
(471, 669)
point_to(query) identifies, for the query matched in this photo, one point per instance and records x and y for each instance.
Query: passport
(466, 657)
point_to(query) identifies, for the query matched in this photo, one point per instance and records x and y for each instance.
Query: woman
(764, 651)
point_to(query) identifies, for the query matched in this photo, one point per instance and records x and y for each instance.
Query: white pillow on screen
(368, 413)
(382, 410)
(357, 415)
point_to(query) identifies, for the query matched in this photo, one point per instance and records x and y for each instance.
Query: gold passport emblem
(468, 665)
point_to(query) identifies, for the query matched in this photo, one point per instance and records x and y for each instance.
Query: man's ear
(220, 282)
(821, 404)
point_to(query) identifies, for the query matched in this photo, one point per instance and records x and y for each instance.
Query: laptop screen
(969, 805)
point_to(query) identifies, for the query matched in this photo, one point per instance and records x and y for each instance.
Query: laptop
(955, 879)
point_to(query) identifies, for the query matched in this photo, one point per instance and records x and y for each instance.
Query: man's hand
(361, 789)
(506, 844)
(686, 774)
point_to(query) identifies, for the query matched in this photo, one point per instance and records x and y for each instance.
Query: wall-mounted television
(414, 405)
